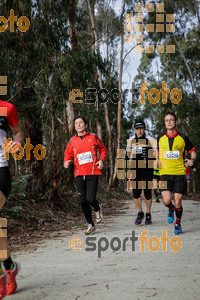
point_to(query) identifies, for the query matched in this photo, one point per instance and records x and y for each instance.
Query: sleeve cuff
(191, 150)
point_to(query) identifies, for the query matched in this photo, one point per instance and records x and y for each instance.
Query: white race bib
(171, 155)
(84, 158)
(138, 150)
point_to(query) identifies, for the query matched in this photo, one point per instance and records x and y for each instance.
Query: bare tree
(92, 18)
(189, 70)
(120, 88)
(69, 106)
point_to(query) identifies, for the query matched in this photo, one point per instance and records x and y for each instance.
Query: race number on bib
(84, 158)
(138, 150)
(171, 154)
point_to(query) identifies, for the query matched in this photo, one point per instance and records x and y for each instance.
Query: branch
(127, 54)
(15, 94)
(38, 75)
(59, 120)
(188, 68)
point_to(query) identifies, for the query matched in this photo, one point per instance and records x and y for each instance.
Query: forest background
(80, 45)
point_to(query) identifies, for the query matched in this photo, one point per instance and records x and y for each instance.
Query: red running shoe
(11, 284)
(2, 286)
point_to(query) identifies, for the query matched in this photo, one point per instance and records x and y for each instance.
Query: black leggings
(5, 181)
(87, 189)
(145, 176)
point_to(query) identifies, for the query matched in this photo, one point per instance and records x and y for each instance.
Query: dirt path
(54, 271)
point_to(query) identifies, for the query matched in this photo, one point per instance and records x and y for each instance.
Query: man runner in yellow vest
(171, 148)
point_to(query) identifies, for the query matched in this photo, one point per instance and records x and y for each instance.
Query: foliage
(174, 71)
(19, 187)
(42, 69)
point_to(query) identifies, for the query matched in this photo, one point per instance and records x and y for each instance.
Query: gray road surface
(54, 271)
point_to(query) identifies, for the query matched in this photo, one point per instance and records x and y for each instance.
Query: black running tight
(87, 189)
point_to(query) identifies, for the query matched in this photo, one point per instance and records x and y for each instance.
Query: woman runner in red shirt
(82, 148)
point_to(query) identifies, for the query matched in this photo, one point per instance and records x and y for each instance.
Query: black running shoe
(140, 217)
(148, 220)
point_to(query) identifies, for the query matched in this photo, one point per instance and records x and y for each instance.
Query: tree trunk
(72, 25)
(92, 18)
(33, 131)
(69, 105)
(65, 123)
(70, 117)
(92, 30)
(120, 88)
(109, 145)
(54, 158)
(197, 11)
(110, 152)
